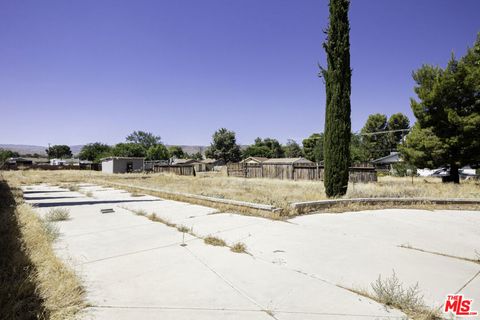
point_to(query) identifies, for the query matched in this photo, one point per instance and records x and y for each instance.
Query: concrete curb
(244, 204)
(309, 206)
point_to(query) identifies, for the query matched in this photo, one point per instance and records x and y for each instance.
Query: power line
(381, 132)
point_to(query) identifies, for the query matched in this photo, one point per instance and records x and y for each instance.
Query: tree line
(364, 147)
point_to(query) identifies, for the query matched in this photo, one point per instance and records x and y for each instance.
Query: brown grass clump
(135, 194)
(34, 283)
(183, 229)
(58, 214)
(73, 187)
(156, 218)
(239, 247)
(214, 241)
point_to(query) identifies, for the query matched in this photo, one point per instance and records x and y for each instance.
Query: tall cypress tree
(337, 84)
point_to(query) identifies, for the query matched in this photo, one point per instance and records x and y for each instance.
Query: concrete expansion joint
(469, 281)
(245, 295)
(138, 251)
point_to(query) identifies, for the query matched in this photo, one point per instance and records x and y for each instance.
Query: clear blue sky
(73, 72)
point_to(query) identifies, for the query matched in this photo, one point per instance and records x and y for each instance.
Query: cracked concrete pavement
(135, 268)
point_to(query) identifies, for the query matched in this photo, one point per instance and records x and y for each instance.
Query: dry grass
(183, 229)
(140, 212)
(73, 187)
(154, 217)
(214, 241)
(391, 292)
(51, 230)
(279, 193)
(34, 283)
(239, 247)
(135, 194)
(59, 286)
(57, 214)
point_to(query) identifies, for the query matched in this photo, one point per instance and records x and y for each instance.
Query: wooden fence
(296, 171)
(182, 170)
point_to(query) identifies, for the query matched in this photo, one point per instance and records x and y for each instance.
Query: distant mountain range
(31, 149)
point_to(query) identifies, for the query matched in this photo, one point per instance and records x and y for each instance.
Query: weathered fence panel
(296, 171)
(182, 170)
(236, 170)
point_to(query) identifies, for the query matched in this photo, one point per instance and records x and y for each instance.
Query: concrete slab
(455, 232)
(281, 290)
(136, 268)
(174, 314)
(472, 291)
(351, 261)
(353, 249)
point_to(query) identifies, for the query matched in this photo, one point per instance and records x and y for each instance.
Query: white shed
(122, 164)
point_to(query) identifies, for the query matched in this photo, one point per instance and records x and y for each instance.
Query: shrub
(402, 169)
(391, 292)
(57, 214)
(51, 230)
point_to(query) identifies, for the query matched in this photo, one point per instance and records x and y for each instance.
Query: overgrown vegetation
(51, 230)
(391, 292)
(57, 214)
(214, 241)
(279, 193)
(34, 283)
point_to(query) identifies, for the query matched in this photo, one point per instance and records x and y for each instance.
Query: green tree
(224, 146)
(128, 150)
(59, 152)
(448, 115)
(95, 151)
(338, 87)
(358, 153)
(398, 124)
(257, 151)
(375, 140)
(293, 149)
(158, 152)
(176, 152)
(145, 139)
(313, 147)
(268, 147)
(196, 156)
(5, 154)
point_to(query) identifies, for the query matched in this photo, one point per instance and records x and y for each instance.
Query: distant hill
(30, 149)
(24, 148)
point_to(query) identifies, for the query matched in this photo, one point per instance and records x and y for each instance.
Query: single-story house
(387, 162)
(254, 160)
(210, 164)
(197, 165)
(122, 164)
